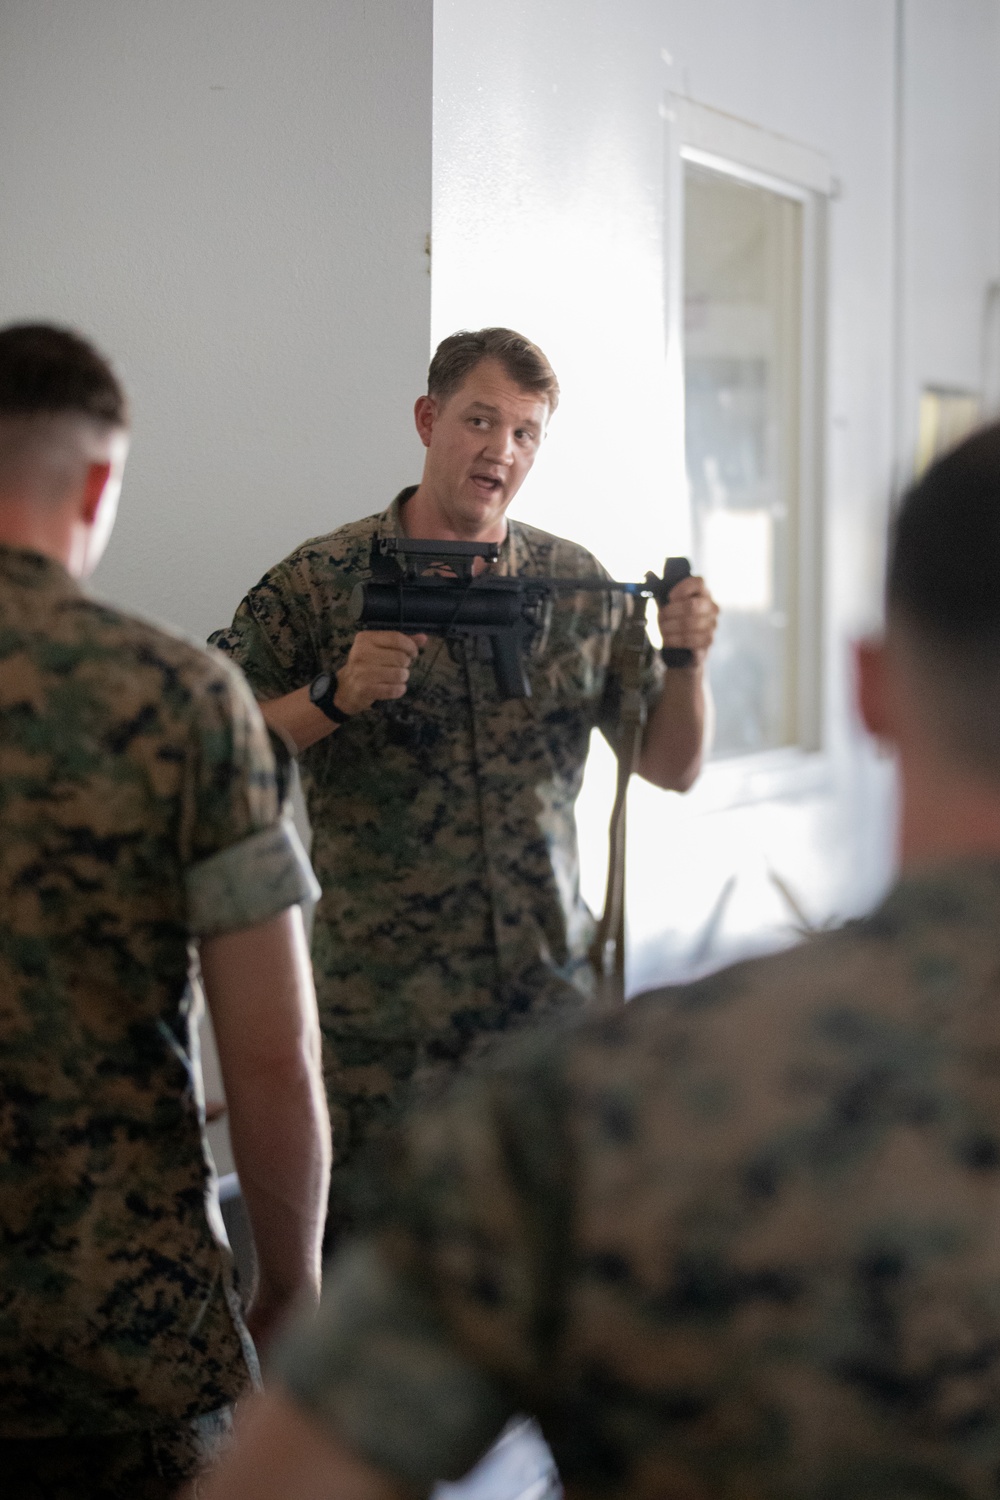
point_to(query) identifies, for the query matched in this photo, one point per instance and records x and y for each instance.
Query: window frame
(707, 138)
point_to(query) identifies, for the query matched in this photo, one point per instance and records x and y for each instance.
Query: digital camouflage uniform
(443, 826)
(740, 1241)
(138, 811)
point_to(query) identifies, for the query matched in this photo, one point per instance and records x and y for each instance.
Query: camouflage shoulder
(810, 962)
(196, 667)
(556, 554)
(346, 549)
(522, 1076)
(781, 992)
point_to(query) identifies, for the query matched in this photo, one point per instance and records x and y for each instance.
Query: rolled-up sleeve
(250, 881)
(444, 1323)
(378, 1371)
(242, 859)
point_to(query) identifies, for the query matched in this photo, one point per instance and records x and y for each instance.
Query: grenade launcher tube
(500, 608)
(506, 610)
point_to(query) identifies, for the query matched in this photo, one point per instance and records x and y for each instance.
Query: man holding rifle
(442, 814)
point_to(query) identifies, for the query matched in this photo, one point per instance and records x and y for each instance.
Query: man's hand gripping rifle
(429, 588)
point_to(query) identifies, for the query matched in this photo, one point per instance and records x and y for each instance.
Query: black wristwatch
(676, 656)
(321, 693)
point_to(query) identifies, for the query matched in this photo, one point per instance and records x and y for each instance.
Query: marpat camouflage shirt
(138, 811)
(738, 1242)
(443, 827)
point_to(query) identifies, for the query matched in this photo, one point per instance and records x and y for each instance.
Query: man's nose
(500, 445)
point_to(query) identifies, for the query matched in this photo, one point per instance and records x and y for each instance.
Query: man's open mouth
(488, 483)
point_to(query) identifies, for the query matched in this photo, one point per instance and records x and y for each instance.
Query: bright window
(747, 302)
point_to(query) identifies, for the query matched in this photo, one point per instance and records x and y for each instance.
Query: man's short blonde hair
(522, 361)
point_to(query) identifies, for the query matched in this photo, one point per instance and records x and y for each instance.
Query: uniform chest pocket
(568, 660)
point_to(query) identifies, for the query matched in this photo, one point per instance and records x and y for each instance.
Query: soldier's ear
(424, 412)
(94, 484)
(871, 687)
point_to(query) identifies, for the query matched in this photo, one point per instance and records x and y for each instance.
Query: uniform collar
(390, 522)
(30, 569)
(512, 552)
(965, 892)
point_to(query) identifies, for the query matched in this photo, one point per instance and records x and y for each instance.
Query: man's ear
(424, 412)
(871, 688)
(94, 485)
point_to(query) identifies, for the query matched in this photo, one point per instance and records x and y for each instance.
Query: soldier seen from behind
(739, 1239)
(139, 826)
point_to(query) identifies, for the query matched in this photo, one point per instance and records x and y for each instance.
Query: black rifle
(428, 588)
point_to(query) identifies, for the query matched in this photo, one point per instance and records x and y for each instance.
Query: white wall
(950, 246)
(232, 197)
(548, 214)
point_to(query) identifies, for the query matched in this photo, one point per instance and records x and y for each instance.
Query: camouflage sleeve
(432, 1335)
(376, 1368)
(243, 861)
(273, 634)
(250, 881)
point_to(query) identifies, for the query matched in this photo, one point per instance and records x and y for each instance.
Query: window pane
(946, 417)
(742, 341)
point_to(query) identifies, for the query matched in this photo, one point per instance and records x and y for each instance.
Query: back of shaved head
(943, 597)
(60, 403)
(46, 370)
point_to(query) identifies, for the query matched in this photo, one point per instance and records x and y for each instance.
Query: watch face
(320, 687)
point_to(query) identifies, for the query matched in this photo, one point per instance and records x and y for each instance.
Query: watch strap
(676, 656)
(322, 691)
